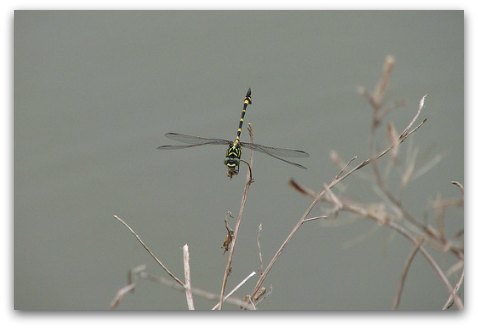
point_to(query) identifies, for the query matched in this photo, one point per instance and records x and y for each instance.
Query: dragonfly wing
(191, 141)
(282, 152)
(266, 151)
(172, 147)
(196, 141)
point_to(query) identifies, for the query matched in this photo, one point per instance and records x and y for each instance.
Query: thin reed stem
(247, 185)
(150, 251)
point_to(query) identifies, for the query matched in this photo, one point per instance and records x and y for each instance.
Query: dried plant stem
(232, 245)
(259, 229)
(382, 84)
(260, 281)
(376, 104)
(187, 278)
(129, 288)
(121, 294)
(149, 251)
(420, 107)
(396, 301)
(178, 284)
(345, 167)
(435, 236)
(449, 302)
(376, 98)
(395, 202)
(316, 218)
(318, 196)
(196, 291)
(239, 285)
(404, 232)
(430, 232)
(431, 260)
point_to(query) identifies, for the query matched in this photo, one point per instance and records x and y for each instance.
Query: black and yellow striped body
(233, 153)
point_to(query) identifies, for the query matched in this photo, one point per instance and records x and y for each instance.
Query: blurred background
(95, 92)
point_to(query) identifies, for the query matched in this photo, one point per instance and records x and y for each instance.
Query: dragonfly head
(232, 166)
(233, 158)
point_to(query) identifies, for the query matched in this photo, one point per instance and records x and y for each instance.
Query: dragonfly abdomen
(247, 101)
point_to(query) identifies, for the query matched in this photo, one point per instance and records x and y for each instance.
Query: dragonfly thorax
(233, 158)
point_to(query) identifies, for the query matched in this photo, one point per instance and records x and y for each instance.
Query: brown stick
(149, 251)
(245, 193)
(408, 263)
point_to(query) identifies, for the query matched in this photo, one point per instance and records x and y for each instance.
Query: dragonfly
(234, 150)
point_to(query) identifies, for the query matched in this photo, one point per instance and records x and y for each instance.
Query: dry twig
(259, 229)
(450, 300)
(187, 278)
(245, 193)
(149, 251)
(398, 295)
(235, 289)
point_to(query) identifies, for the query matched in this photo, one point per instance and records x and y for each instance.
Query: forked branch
(342, 175)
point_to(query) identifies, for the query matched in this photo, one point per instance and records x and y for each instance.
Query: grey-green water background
(96, 91)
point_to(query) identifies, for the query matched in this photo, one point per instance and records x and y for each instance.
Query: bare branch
(129, 288)
(404, 232)
(436, 267)
(236, 288)
(268, 268)
(316, 218)
(245, 192)
(345, 167)
(196, 291)
(384, 81)
(259, 229)
(398, 294)
(333, 199)
(449, 302)
(420, 107)
(149, 251)
(187, 278)
(121, 294)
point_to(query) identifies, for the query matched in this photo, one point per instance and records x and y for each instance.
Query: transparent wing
(282, 152)
(191, 141)
(271, 151)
